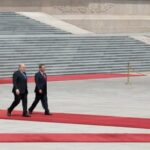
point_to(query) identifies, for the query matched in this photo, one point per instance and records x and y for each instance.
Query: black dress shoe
(8, 113)
(30, 112)
(48, 113)
(26, 115)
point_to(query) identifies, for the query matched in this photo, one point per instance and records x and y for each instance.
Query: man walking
(40, 90)
(20, 90)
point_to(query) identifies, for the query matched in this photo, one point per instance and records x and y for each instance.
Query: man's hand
(40, 91)
(17, 91)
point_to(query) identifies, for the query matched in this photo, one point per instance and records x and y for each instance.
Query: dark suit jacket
(20, 82)
(41, 83)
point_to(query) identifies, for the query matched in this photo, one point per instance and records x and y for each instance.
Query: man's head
(42, 68)
(22, 67)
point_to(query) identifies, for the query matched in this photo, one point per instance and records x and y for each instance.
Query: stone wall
(119, 7)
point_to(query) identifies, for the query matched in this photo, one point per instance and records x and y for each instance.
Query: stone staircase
(64, 53)
(69, 54)
(15, 24)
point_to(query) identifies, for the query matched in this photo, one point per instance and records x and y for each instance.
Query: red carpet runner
(77, 119)
(74, 77)
(74, 137)
(82, 119)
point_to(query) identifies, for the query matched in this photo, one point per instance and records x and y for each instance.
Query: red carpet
(74, 77)
(77, 137)
(29, 137)
(82, 119)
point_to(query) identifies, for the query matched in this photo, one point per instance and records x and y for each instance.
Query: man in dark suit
(40, 90)
(20, 90)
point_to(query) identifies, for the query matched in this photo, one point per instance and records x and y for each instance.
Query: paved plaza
(109, 97)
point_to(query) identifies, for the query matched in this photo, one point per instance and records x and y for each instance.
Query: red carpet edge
(74, 77)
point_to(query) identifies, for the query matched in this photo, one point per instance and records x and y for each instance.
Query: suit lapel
(43, 75)
(23, 75)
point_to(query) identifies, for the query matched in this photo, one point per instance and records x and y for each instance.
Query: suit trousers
(43, 99)
(17, 99)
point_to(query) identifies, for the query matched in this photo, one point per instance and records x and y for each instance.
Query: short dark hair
(41, 65)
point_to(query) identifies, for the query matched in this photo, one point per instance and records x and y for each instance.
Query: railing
(130, 69)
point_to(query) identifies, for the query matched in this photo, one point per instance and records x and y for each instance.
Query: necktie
(44, 75)
(23, 73)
